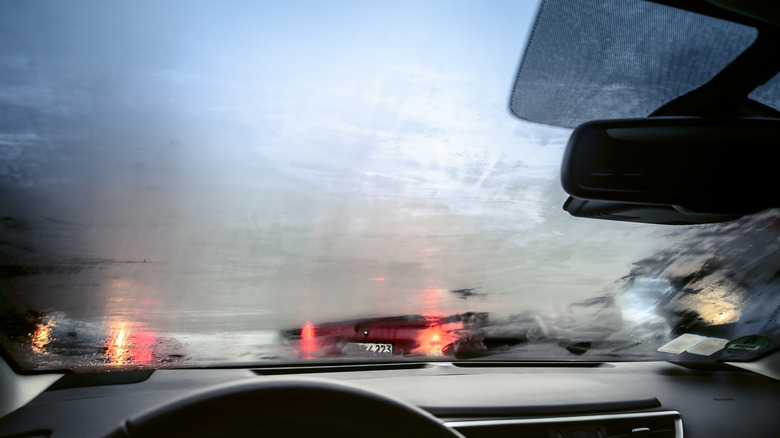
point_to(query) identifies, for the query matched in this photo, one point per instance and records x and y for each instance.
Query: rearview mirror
(672, 170)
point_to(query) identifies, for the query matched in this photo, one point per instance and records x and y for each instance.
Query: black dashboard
(479, 399)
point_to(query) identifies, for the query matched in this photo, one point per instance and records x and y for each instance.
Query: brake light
(142, 342)
(126, 346)
(308, 345)
(307, 332)
(432, 341)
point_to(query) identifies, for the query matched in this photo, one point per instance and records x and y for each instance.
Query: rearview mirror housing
(692, 170)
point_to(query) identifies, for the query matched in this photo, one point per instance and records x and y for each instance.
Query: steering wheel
(284, 407)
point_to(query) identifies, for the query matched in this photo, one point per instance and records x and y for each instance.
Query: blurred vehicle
(423, 335)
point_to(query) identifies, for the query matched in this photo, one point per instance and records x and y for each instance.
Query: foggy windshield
(196, 183)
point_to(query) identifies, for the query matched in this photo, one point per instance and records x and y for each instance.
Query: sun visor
(628, 58)
(769, 93)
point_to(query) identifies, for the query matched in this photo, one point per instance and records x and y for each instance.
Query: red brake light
(307, 332)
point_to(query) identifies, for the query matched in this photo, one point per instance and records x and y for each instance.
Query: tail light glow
(432, 341)
(307, 332)
(308, 345)
(127, 347)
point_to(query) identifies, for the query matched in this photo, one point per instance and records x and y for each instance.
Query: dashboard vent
(666, 424)
(659, 427)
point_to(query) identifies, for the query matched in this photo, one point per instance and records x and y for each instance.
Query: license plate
(372, 347)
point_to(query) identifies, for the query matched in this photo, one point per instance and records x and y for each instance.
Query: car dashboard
(478, 399)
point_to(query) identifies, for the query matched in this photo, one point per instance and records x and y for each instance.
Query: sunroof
(627, 59)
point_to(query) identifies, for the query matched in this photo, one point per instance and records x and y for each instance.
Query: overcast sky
(296, 160)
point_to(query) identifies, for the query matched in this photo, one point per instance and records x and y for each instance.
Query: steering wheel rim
(284, 407)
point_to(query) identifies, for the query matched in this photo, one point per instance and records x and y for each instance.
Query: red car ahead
(424, 335)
